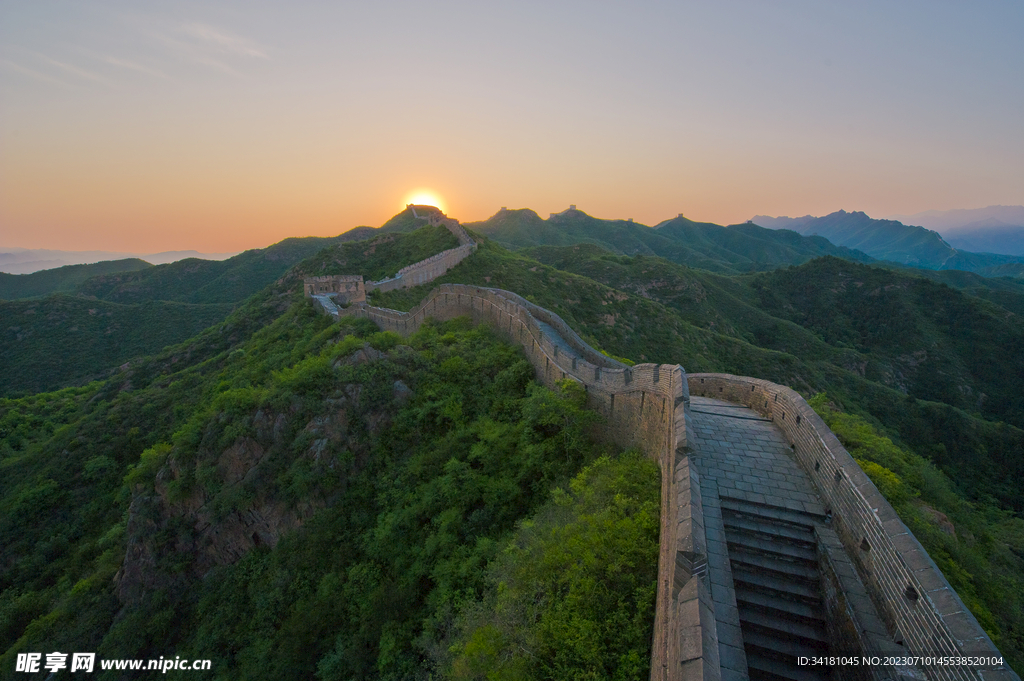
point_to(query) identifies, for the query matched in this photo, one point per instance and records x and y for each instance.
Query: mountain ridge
(891, 241)
(734, 249)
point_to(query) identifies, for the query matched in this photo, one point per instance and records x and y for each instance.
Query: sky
(221, 126)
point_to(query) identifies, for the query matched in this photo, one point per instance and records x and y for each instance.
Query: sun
(424, 197)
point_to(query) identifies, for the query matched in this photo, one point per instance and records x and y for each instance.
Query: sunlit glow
(424, 197)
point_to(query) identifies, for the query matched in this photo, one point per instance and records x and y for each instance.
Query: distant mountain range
(996, 229)
(729, 250)
(947, 221)
(28, 260)
(894, 241)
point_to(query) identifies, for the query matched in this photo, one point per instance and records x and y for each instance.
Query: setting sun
(424, 197)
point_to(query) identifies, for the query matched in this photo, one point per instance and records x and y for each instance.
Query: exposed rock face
(211, 509)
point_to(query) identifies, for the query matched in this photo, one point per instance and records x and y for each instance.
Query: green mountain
(1010, 269)
(205, 281)
(63, 340)
(62, 279)
(208, 498)
(235, 279)
(890, 240)
(1006, 292)
(731, 250)
(926, 339)
(881, 239)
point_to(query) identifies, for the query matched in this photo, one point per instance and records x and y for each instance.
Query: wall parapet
(921, 611)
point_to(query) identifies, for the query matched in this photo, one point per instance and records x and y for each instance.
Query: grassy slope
(61, 279)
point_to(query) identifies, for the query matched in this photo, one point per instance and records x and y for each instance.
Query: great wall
(774, 544)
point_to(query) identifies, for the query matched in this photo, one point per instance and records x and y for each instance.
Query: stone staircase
(327, 304)
(773, 557)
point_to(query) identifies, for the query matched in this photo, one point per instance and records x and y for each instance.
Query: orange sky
(220, 127)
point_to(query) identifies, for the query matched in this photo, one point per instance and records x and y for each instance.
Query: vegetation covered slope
(924, 338)
(61, 279)
(978, 546)
(651, 310)
(890, 240)
(205, 281)
(314, 499)
(323, 501)
(209, 412)
(735, 249)
(66, 340)
(235, 279)
(62, 340)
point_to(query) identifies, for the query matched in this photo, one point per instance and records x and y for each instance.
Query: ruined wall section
(919, 608)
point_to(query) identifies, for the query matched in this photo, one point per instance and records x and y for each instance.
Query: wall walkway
(922, 614)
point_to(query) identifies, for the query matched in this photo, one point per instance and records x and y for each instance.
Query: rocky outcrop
(210, 508)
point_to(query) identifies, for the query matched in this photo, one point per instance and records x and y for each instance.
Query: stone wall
(433, 267)
(921, 612)
(425, 270)
(348, 286)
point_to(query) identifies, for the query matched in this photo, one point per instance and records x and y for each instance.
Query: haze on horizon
(221, 126)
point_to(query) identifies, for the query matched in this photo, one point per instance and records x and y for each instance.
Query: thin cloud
(80, 72)
(211, 47)
(32, 73)
(224, 41)
(132, 66)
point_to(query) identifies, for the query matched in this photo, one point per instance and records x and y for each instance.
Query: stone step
(760, 622)
(781, 649)
(767, 669)
(753, 578)
(775, 513)
(773, 567)
(780, 605)
(794, 533)
(743, 541)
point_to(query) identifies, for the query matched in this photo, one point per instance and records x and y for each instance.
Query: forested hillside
(206, 499)
(62, 279)
(65, 340)
(211, 498)
(731, 250)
